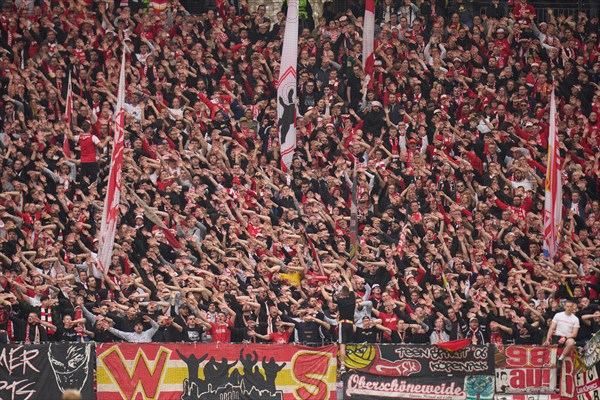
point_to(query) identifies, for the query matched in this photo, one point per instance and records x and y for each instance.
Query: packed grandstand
(442, 149)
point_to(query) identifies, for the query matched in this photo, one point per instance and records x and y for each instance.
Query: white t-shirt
(565, 324)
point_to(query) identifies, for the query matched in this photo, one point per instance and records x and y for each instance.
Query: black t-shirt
(366, 335)
(67, 335)
(308, 332)
(193, 335)
(346, 306)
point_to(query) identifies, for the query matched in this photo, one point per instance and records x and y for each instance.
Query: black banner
(45, 371)
(420, 360)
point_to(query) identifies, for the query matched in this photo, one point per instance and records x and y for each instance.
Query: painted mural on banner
(215, 371)
(363, 386)
(577, 383)
(526, 369)
(45, 371)
(419, 360)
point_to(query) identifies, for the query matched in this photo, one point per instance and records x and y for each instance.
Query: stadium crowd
(217, 243)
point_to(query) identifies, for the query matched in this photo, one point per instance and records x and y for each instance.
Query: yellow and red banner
(215, 371)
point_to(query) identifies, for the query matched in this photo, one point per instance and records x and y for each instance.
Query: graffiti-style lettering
(310, 370)
(22, 390)
(141, 377)
(536, 357)
(18, 360)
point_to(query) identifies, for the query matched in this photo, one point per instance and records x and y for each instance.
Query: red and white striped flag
(286, 87)
(110, 213)
(158, 5)
(368, 45)
(68, 115)
(401, 241)
(553, 195)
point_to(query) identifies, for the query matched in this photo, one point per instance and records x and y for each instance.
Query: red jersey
(389, 321)
(220, 332)
(88, 142)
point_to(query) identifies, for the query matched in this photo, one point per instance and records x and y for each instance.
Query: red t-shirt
(280, 338)
(220, 332)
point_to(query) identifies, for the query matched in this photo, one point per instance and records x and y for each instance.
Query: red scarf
(10, 332)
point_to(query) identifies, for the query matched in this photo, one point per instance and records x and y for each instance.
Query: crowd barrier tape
(286, 372)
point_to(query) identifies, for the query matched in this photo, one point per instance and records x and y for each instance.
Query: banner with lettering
(526, 369)
(591, 353)
(419, 360)
(215, 371)
(45, 371)
(364, 386)
(577, 383)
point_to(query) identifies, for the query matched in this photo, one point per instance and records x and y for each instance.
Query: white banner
(286, 86)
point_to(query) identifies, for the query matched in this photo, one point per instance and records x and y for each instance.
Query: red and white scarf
(46, 316)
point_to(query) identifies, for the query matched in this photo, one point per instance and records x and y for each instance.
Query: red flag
(368, 46)
(68, 115)
(110, 212)
(171, 238)
(454, 345)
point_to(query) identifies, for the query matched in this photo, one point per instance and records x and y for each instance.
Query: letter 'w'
(141, 377)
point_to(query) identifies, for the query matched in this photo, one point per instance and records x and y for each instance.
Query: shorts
(345, 333)
(555, 340)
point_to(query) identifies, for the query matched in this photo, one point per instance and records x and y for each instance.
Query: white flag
(110, 213)
(553, 194)
(286, 86)
(368, 45)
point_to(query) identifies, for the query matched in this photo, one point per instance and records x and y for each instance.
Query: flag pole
(68, 118)
(354, 219)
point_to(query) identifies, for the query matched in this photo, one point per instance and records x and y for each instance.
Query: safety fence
(281, 372)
